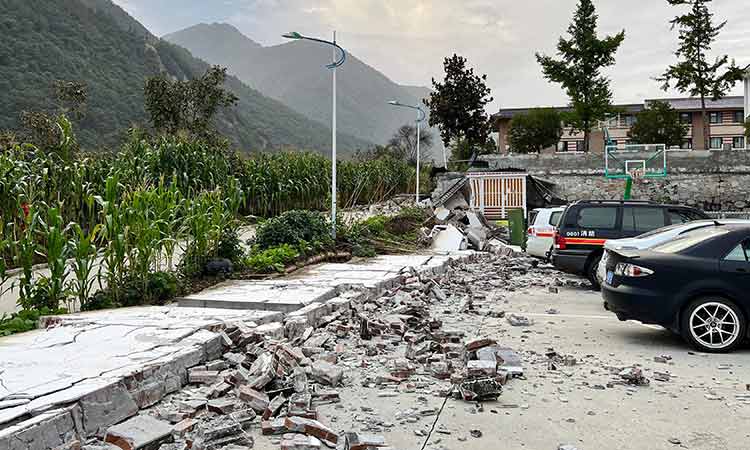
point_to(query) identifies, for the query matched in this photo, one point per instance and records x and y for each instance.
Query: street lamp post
(333, 66)
(420, 117)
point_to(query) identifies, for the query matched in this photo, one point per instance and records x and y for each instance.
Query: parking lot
(704, 405)
(570, 406)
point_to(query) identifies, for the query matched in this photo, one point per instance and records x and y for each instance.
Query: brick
(311, 427)
(221, 406)
(219, 390)
(480, 368)
(476, 344)
(361, 441)
(185, 426)
(258, 401)
(275, 426)
(273, 407)
(139, 433)
(202, 376)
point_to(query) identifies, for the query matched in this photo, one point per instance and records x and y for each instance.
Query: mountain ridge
(97, 42)
(294, 73)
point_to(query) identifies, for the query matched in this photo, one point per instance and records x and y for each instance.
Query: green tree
(190, 105)
(579, 69)
(659, 124)
(694, 72)
(540, 128)
(403, 144)
(457, 105)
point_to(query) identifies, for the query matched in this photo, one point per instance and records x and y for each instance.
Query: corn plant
(52, 288)
(84, 253)
(113, 238)
(26, 251)
(5, 243)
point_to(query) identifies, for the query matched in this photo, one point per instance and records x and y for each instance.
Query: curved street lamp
(332, 66)
(420, 117)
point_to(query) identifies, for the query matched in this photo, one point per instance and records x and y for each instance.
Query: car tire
(591, 273)
(713, 325)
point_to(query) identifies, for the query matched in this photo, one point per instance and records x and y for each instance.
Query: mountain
(95, 41)
(294, 74)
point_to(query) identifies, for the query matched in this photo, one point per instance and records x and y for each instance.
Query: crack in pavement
(440, 411)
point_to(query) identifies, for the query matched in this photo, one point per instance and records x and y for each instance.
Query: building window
(716, 143)
(738, 142)
(627, 120)
(686, 117)
(739, 117)
(687, 144)
(714, 117)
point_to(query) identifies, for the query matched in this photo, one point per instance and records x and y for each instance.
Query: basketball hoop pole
(628, 188)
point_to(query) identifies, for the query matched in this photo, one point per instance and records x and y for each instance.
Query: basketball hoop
(636, 174)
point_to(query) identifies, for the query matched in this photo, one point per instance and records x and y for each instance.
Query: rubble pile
(272, 380)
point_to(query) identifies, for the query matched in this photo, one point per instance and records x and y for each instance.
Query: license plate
(610, 276)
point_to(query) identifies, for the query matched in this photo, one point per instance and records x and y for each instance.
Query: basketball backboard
(630, 160)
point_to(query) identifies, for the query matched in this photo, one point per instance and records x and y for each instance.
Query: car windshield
(689, 239)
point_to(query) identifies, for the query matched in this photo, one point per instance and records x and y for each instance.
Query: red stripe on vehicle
(585, 241)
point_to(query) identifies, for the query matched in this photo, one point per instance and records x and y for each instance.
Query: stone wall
(710, 180)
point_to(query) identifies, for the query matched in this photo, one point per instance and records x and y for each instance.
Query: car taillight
(631, 270)
(530, 231)
(560, 243)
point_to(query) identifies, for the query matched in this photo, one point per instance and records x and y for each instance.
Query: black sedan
(697, 285)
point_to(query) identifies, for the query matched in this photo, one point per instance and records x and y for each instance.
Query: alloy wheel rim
(714, 325)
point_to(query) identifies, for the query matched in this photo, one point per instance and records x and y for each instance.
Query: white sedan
(652, 238)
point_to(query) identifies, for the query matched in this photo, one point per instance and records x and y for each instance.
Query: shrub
(157, 289)
(229, 246)
(272, 259)
(297, 228)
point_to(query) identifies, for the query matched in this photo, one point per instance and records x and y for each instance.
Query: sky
(407, 40)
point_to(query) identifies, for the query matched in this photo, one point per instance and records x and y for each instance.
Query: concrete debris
(326, 373)
(519, 321)
(139, 433)
(291, 441)
(634, 376)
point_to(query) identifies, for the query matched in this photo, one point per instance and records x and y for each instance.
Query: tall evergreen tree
(694, 72)
(582, 58)
(457, 106)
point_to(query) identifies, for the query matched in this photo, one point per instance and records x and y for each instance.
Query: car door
(735, 267)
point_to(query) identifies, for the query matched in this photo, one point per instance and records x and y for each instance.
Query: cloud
(408, 39)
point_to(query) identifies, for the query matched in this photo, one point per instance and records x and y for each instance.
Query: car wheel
(714, 325)
(591, 273)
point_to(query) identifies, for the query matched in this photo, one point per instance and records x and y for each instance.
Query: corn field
(126, 213)
(275, 183)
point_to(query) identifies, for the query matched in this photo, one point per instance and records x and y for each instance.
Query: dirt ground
(701, 406)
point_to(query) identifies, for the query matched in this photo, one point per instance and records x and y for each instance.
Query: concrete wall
(711, 180)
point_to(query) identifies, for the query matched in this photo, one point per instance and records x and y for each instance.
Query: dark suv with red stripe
(586, 225)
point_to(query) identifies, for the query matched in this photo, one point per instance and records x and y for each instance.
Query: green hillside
(294, 74)
(97, 42)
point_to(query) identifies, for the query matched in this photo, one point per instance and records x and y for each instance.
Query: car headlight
(632, 271)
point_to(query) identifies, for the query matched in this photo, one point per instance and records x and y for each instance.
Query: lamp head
(394, 103)
(292, 35)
